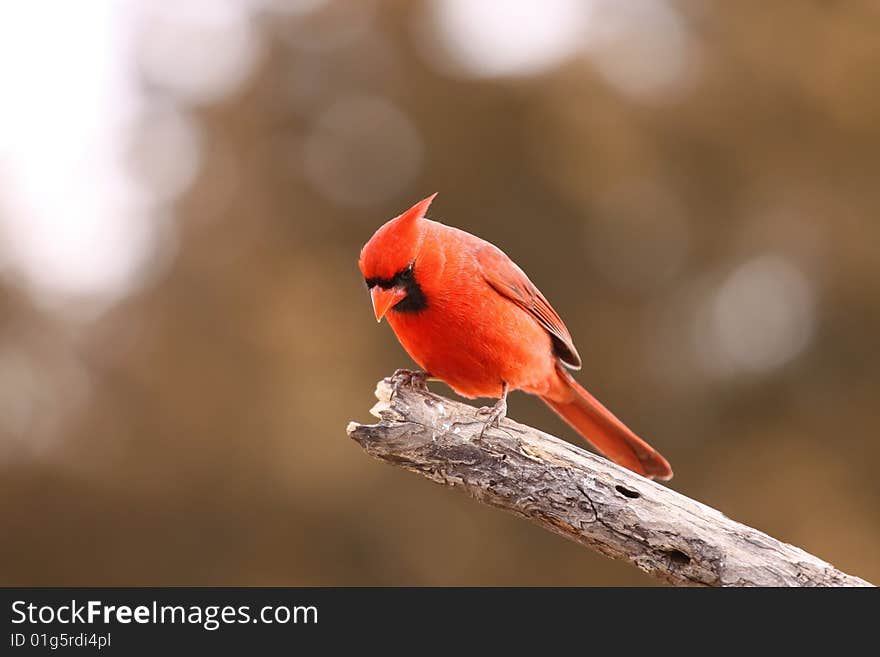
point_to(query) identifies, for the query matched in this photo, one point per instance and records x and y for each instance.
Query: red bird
(470, 317)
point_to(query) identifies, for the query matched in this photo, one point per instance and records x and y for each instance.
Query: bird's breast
(474, 339)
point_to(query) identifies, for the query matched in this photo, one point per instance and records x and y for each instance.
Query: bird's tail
(604, 431)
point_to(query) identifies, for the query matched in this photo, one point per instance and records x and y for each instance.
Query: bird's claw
(495, 414)
(417, 380)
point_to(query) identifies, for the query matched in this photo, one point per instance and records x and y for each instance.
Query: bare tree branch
(581, 496)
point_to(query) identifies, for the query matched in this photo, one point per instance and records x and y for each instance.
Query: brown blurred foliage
(198, 426)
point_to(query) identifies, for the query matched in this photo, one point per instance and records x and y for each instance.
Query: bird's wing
(503, 275)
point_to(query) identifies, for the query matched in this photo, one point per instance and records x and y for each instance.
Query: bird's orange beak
(384, 300)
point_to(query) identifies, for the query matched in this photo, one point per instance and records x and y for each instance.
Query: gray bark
(581, 496)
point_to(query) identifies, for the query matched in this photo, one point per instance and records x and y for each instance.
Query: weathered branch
(581, 496)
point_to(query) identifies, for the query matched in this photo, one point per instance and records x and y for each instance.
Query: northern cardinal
(471, 317)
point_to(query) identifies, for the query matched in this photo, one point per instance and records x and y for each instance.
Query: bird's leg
(497, 412)
(415, 379)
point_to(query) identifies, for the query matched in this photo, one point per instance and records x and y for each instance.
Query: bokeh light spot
(492, 38)
(166, 151)
(759, 318)
(641, 47)
(200, 51)
(362, 150)
(72, 224)
(40, 388)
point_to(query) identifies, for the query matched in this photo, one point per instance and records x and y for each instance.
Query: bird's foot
(495, 414)
(415, 379)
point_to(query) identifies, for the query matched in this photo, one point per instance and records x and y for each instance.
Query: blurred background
(184, 334)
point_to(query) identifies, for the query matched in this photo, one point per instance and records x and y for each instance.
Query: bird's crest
(395, 245)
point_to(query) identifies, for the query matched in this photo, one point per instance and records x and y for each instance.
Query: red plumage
(469, 316)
